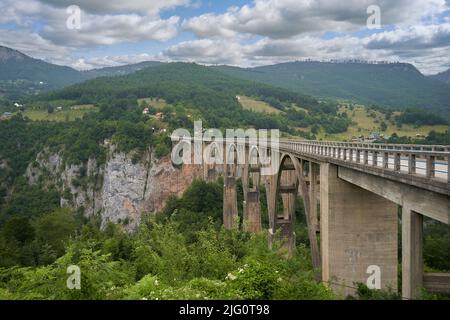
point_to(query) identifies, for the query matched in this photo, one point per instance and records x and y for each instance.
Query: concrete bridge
(354, 195)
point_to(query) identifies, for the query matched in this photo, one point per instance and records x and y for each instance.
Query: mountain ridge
(22, 75)
(396, 85)
(443, 76)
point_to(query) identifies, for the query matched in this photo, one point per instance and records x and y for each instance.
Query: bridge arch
(230, 160)
(283, 195)
(213, 156)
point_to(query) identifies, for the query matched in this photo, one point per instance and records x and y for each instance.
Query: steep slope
(396, 85)
(21, 74)
(15, 65)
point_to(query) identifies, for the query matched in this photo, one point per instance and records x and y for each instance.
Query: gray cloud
(119, 6)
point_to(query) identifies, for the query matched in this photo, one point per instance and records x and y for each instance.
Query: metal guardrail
(432, 162)
(426, 161)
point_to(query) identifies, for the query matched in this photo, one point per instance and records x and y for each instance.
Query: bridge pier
(230, 171)
(230, 209)
(210, 174)
(251, 179)
(252, 212)
(358, 231)
(412, 253)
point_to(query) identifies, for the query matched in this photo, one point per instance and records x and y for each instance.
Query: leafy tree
(54, 230)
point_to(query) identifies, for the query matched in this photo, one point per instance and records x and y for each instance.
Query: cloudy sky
(235, 32)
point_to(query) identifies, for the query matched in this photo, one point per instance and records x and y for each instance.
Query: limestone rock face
(118, 191)
(122, 192)
(49, 169)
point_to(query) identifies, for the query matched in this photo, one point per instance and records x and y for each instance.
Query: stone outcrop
(120, 190)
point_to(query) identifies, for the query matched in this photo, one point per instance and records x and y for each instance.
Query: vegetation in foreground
(182, 253)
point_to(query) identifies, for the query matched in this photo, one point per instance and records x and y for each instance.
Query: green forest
(394, 85)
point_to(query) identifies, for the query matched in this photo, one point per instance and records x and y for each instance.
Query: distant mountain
(192, 86)
(21, 74)
(443, 76)
(121, 70)
(172, 81)
(396, 85)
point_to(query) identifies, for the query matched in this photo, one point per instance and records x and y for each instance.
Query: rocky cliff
(120, 190)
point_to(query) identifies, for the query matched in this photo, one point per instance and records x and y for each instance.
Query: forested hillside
(210, 92)
(392, 85)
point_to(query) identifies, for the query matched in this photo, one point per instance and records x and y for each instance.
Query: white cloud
(112, 29)
(206, 51)
(95, 29)
(426, 47)
(412, 38)
(286, 18)
(263, 32)
(34, 45)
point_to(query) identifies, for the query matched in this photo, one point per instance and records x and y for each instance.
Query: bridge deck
(423, 166)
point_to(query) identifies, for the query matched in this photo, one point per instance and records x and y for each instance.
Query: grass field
(366, 122)
(156, 103)
(257, 106)
(67, 114)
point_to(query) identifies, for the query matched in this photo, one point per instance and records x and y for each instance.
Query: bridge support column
(358, 234)
(252, 212)
(313, 175)
(230, 209)
(412, 253)
(209, 173)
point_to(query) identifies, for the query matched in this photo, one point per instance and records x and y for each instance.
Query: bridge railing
(427, 161)
(430, 161)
